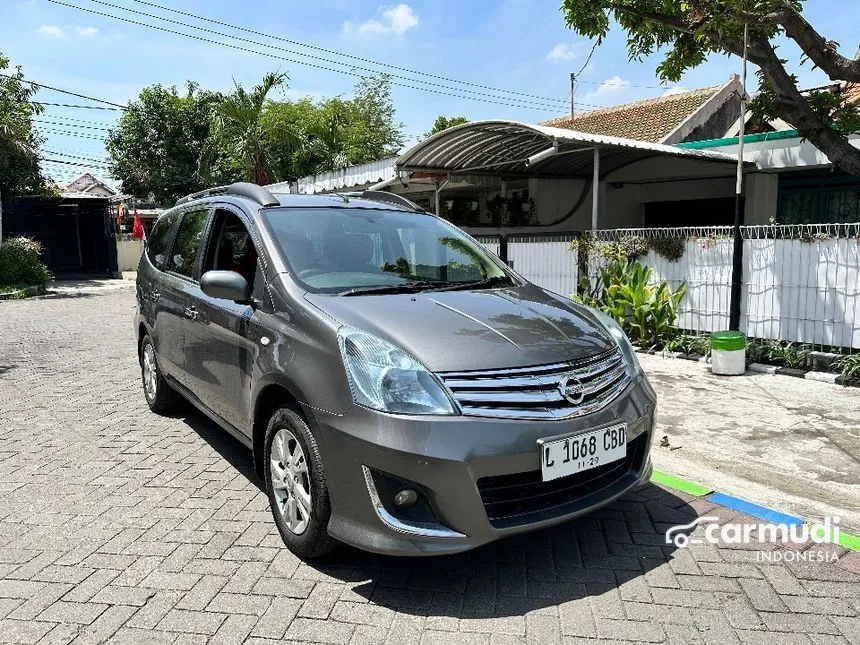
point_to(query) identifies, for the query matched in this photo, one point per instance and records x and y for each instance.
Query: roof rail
(253, 192)
(391, 198)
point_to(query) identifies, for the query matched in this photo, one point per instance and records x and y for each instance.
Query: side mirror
(227, 285)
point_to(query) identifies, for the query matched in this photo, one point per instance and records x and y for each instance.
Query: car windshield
(352, 250)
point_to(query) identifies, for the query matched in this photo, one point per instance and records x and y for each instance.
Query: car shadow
(588, 557)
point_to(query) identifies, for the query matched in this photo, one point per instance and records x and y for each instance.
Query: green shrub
(21, 264)
(849, 367)
(776, 352)
(646, 312)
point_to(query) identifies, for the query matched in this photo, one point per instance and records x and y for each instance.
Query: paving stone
(195, 622)
(154, 530)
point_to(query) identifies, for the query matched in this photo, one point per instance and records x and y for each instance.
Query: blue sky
(516, 45)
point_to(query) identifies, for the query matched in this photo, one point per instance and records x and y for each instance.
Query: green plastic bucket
(728, 341)
(728, 353)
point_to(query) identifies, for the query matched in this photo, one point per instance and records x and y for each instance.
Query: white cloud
(396, 20)
(52, 31)
(675, 90)
(563, 52)
(612, 85)
(87, 32)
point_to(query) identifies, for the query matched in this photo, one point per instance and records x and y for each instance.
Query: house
(793, 181)
(675, 117)
(488, 200)
(76, 229)
(88, 184)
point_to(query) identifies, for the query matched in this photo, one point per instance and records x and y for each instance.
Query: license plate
(573, 454)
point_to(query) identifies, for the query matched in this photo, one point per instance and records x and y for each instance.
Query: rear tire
(161, 398)
(296, 485)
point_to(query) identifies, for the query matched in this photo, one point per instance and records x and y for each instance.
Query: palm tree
(239, 133)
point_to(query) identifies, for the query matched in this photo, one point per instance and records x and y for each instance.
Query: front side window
(334, 250)
(231, 248)
(184, 252)
(159, 238)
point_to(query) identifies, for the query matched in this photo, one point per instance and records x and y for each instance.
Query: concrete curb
(846, 540)
(761, 368)
(26, 292)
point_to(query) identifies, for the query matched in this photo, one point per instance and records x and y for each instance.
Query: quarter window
(159, 238)
(187, 242)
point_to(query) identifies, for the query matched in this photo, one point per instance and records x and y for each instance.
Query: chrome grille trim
(533, 393)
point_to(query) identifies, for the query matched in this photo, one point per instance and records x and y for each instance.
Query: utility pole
(738, 246)
(572, 89)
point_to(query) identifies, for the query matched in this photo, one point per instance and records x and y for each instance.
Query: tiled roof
(852, 92)
(648, 120)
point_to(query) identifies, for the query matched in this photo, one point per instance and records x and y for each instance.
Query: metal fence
(546, 259)
(705, 265)
(801, 283)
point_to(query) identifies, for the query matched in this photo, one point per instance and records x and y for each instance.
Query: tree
(690, 31)
(240, 131)
(19, 141)
(445, 122)
(334, 133)
(155, 149)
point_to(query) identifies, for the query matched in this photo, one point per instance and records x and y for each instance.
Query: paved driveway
(119, 525)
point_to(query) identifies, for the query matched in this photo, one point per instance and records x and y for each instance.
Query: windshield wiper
(406, 287)
(495, 281)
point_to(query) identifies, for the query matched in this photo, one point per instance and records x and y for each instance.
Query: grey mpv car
(401, 389)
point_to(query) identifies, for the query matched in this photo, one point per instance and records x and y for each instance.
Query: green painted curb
(679, 484)
(851, 542)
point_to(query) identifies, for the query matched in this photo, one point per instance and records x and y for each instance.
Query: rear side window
(159, 237)
(187, 242)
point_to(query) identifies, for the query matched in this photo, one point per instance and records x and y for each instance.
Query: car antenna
(322, 189)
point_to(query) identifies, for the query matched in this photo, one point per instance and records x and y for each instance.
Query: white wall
(128, 254)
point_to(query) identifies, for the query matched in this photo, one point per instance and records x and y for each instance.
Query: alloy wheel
(290, 481)
(150, 372)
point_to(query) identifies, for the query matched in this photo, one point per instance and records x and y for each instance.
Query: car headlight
(386, 378)
(614, 329)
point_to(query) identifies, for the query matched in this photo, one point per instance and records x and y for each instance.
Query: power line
(291, 60)
(71, 125)
(67, 155)
(69, 118)
(320, 58)
(66, 133)
(38, 85)
(72, 163)
(335, 52)
(80, 107)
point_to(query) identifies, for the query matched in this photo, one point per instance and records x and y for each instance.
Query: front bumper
(456, 460)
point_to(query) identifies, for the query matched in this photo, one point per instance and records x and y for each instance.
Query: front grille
(512, 500)
(535, 393)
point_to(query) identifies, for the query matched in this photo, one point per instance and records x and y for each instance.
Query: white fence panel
(493, 243)
(707, 268)
(807, 291)
(547, 261)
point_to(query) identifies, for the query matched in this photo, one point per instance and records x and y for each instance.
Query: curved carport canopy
(509, 149)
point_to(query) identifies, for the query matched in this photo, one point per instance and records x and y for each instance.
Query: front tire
(161, 398)
(296, 485)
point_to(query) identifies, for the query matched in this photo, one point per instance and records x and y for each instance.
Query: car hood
(473, 330)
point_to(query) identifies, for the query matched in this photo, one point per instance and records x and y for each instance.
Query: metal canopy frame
(504, 148)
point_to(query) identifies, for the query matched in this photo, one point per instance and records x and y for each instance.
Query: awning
(503, 147)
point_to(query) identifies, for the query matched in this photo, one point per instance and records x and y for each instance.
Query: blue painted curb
(766, 514)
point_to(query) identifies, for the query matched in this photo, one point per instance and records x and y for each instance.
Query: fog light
(406, 497)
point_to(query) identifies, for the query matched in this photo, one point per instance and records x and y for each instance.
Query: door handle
(191, 312)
